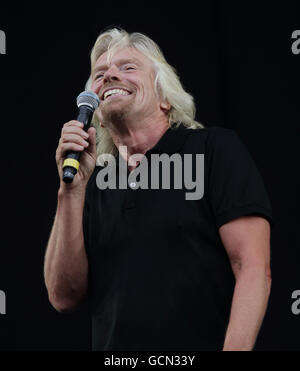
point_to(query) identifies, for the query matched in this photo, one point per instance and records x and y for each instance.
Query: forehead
(124, 54)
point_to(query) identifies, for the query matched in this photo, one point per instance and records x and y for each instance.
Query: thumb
(92, 140)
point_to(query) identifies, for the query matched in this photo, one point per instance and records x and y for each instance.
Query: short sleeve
(235, 186)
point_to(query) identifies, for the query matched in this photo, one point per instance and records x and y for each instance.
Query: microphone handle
(71, 162)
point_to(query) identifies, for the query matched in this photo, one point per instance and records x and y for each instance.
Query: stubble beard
(116, 116)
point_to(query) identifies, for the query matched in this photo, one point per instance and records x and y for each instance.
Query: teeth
(115, 91)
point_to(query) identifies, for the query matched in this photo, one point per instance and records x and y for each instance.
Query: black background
(235, 58)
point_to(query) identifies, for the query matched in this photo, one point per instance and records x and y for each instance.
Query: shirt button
(132, 185)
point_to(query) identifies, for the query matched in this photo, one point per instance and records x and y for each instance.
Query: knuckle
(66, 124)
(70, 124)
(64, 139)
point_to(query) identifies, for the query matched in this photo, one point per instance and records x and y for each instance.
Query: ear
(165, 106)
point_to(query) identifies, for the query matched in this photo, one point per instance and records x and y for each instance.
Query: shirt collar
(171, 142)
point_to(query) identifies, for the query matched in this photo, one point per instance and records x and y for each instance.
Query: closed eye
(128, 68)
(98, 76)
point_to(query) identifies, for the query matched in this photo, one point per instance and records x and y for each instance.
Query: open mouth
(114, 92)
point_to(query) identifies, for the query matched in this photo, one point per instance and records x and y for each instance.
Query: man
(162, 272)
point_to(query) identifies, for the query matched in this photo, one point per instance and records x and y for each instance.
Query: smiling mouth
(114, 92)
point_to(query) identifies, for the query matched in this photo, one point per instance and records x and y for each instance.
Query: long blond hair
(167, 83)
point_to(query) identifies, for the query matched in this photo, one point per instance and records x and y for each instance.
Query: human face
(131, 75)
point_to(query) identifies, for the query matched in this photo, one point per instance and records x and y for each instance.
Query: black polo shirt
(160, 278)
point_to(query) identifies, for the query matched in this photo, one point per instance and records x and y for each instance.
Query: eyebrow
(119, 62)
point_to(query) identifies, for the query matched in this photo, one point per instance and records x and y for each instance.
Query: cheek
(147, 93)
(95, 87)
(150, 91)
(150, 95)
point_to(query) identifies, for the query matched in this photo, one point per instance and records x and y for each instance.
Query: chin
(114, 115)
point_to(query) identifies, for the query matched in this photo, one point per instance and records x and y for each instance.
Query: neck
(138, 137)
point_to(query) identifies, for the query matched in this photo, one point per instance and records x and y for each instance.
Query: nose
(111, 74)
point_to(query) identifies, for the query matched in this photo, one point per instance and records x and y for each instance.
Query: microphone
(87, 102)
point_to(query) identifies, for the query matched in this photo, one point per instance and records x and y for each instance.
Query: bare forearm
(249, 305)
(66, 266)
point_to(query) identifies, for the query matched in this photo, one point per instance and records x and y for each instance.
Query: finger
(92, 137)
(92, 141)
(65, 147)
(75, 130)
(74, 138)
(74, 123)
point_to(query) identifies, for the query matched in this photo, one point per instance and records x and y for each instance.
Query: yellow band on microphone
(71, 162)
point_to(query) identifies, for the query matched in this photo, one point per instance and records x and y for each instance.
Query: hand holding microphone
(76, 152)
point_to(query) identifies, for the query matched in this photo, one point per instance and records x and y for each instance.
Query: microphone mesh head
(88, 98)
